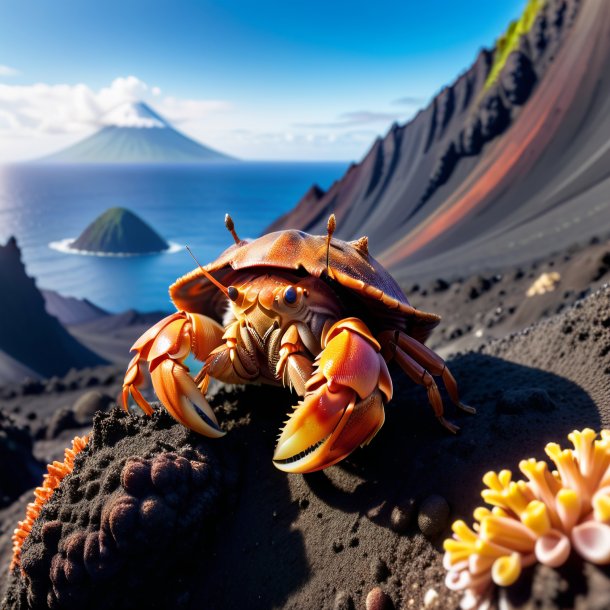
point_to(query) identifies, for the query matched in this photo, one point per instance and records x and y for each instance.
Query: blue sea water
(186, 204)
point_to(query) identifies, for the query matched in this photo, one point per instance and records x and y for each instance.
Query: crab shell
(350, 266)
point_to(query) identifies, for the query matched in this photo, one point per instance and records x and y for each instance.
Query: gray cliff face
(457, 172)
(119, 231)
(28, 333)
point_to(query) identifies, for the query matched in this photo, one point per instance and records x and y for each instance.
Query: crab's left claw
(162, 350)
(343, 406)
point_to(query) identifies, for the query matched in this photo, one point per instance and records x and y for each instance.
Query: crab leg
(422, 377)
(420, 363)
(343, 403)
(435, 365)
(162, 350)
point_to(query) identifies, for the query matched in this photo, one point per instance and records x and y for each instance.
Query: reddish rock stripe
(526, 141)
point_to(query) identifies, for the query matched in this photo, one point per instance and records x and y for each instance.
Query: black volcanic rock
(119, 231)
(518, 78)
(21, 470)
(471, 138)
(28, 334)
(495, 116)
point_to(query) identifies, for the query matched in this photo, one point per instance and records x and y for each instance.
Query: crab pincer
(163, 348)
(343, 404)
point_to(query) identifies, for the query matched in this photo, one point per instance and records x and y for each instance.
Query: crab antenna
(330, 228)
(214, 281)
(231, 228)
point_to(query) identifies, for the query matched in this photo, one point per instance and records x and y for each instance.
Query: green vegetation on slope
(509, 41)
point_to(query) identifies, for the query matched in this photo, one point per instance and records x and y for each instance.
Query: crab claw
(343, 405)
(163, 347)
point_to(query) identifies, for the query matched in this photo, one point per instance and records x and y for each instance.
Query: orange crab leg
(343, 403)
(435, 365)
(162, 350)
(420, 363)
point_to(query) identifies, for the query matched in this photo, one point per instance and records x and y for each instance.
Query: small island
(119, 232)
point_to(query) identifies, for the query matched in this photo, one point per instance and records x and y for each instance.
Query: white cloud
(35, 110)
(185, 110)
(8, 71)
(350, 119)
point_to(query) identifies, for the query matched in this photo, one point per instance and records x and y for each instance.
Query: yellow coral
(540, 519)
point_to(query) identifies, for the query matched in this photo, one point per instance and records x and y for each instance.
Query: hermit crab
(311, 312)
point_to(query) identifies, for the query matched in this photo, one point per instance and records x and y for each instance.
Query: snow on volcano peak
(134, 114)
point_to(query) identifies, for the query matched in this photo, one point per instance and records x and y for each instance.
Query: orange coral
(541, 519)
(56, 472)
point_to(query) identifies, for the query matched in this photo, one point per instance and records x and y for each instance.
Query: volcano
(134, 133)
(119, 231)
(507, 164)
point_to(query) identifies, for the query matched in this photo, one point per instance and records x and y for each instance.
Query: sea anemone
(55, 473)
(541, 519)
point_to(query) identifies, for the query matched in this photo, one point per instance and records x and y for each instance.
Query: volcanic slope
(491, 172)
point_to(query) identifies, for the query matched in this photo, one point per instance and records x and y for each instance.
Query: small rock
(31, 387)
(62, 419)
(430, 598)
(343, 601)
(379, 569)
(402, 515)
(55, 385)
(374, 513)
(433, 515)
(440, 285)
(337, 546)
(378, 600)
(89, 404)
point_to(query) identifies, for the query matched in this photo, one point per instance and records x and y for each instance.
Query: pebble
(378, 600)
(343, 601)
(88, 404)
(379, 569)
(402, 515)
(433, 515)
(62, 419)
(430, 598)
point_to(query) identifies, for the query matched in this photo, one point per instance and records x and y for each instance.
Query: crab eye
(290, 295)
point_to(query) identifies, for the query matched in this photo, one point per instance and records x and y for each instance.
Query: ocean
(185, 204)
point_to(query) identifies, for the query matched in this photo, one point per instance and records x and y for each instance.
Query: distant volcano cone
(134, 133)
(119, 231)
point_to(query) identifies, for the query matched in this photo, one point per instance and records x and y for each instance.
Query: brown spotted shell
(350, 265)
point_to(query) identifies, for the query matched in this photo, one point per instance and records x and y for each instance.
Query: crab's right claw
(163, 347)
(343, 406)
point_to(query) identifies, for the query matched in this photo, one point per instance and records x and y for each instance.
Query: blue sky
(258, 79)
